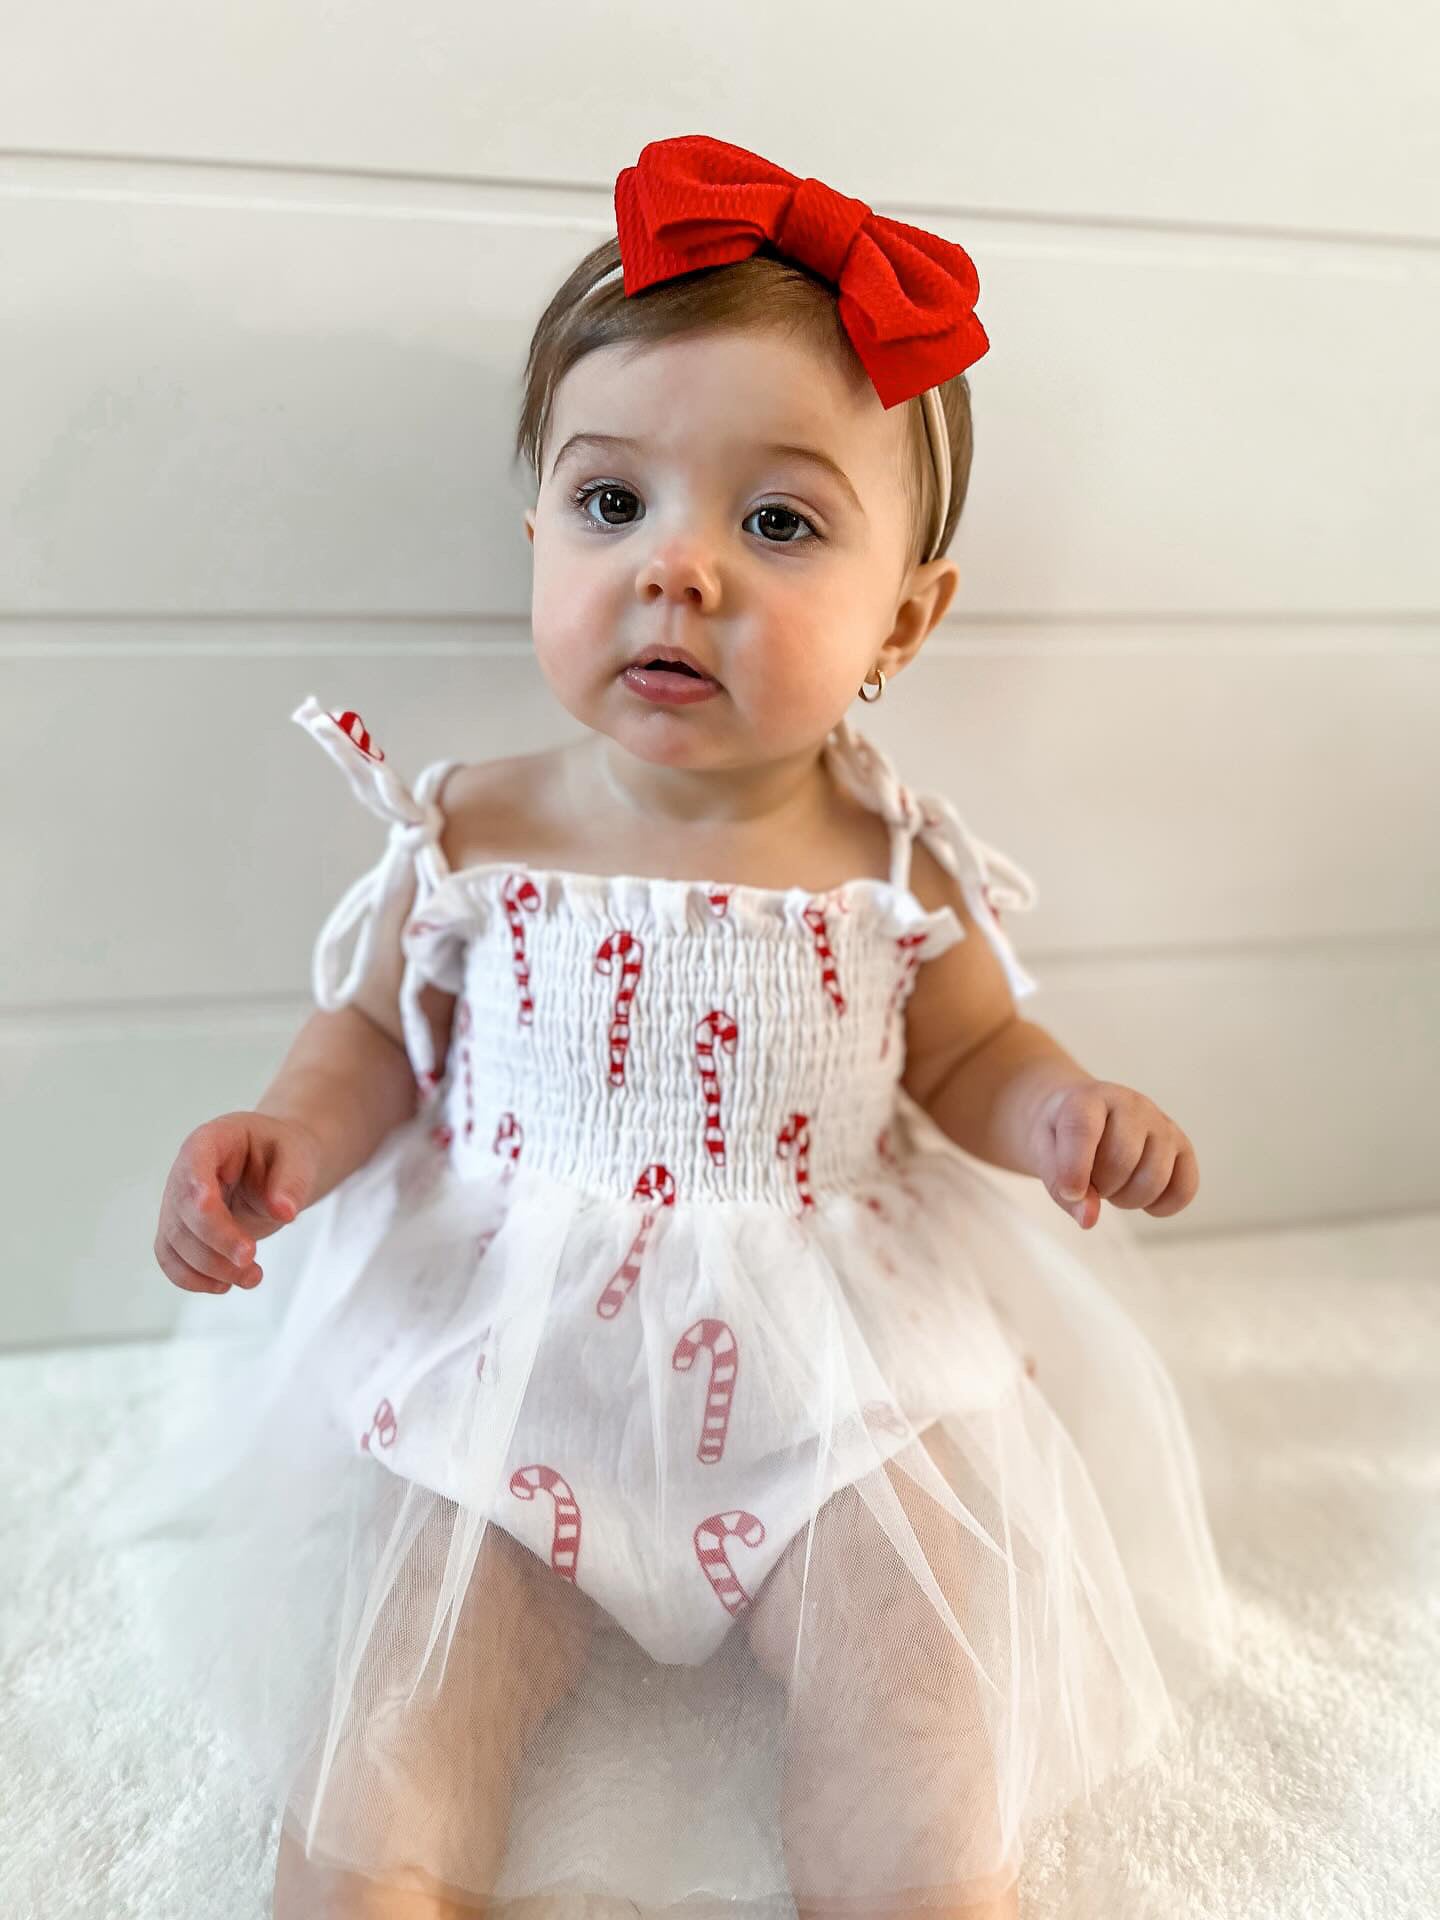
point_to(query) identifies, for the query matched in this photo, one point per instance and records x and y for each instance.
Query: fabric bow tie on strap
(416, 826)
(990, 880)
(906, 297)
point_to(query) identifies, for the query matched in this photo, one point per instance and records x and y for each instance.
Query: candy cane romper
(666, 1261)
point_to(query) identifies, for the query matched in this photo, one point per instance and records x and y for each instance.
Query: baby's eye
(784, 514)
(612, 500)
(607, 496)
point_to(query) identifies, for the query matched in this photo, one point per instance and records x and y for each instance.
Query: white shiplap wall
(268, 277)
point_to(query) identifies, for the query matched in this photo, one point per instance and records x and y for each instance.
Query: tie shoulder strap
(416, 825)
(990, 881)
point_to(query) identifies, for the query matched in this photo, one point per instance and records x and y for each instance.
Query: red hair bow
(907, 297)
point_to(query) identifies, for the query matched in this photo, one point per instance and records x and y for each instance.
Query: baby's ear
(530, 525)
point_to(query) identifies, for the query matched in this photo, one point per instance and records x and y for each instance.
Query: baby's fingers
(201, 1253)
(200, 1247)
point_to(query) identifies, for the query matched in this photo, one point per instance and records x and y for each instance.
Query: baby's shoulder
(502, 809)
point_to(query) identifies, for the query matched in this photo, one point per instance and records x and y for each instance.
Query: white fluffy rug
(1309, 1788)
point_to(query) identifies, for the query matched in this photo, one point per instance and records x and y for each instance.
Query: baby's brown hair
(765, 290)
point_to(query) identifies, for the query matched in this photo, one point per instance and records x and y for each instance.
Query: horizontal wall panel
(179, 838)
(1282, 115)
(106, 1102)
(1299, 1109)
(304, 402)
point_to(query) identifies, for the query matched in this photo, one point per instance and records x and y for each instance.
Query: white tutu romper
(680, 1472)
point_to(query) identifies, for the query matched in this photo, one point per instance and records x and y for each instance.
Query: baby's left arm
(1003, 1089)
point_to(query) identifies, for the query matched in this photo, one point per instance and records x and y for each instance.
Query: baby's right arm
(345, 1083)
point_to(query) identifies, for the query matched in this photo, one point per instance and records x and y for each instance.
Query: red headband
(906, 296)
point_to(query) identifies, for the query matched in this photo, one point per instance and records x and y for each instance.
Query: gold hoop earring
(871, 698)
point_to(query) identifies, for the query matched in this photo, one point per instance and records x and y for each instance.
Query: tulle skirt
(552, 1543)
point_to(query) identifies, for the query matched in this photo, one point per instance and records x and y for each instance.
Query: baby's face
(781, 580)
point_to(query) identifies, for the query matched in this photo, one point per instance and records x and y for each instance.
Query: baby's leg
(886, 1781)
(521, 1643)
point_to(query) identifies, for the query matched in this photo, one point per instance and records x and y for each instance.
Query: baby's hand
(235, 1180)
(1100, 1141)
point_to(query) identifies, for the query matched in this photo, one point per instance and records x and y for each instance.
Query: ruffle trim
(465, 904)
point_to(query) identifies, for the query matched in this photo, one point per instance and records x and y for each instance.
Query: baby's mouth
(670, 666)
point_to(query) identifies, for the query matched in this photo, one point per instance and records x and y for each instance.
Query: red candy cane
(656, 1182)
(907, 943)
(632, 954)
(710, 1538)
(383, 1426)
(565, 1541)
(353, 727)
(520, 891)
(715, 1026)
(814, 918)
(724, 1363)
(793, 1140)
(509, 1134)
(719, 898)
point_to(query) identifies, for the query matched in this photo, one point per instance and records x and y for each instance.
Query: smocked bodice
(655, 1038)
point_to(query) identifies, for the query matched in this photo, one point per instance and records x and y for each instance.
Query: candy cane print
(814, 918)
(383, 1426)
(710, 1538)
(509, 1134)
(907, 942)
(655, 1182)
(565, 1541)
(724, 1363)
(793, 1139)
(351, 725)
(520, 891)
(715, 1026)
(719, 899)
(464, 1022)
(632, 954)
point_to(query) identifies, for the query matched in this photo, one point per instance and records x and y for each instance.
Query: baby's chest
(505, 811)
(673, 1027)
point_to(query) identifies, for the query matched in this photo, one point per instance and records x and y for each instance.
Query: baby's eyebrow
(785, 450)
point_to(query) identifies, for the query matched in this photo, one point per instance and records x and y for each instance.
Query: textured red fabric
(907, 297)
